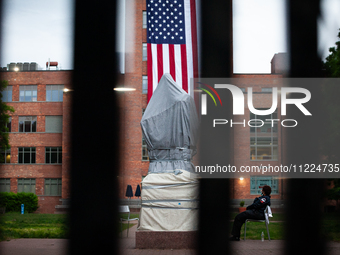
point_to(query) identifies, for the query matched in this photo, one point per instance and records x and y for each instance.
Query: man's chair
(267, 214)
(125, 209)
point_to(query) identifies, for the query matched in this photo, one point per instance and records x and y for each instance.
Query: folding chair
(267, 215)
(125, 209)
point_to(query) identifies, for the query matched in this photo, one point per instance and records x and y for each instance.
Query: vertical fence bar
(94, 167)
(216, 52)
(303, 228)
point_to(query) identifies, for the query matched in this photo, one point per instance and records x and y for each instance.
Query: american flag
(171, 42)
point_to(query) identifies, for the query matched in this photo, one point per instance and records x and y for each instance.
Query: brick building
(39, 136)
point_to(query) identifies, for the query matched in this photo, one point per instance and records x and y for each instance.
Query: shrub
(12, 201)
(242, 203)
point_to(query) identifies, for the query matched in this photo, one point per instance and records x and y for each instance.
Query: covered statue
(170, 190)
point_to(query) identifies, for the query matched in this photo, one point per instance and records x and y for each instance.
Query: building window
(7, 94)
(257, 182)
(144, 19)
(9, 125)
(28, 93)
(267, 90)
(263, 137)
(145, 154)
(26, 185)
(28, 124)
(26, 155)
(52, 187)
(53, 155)
(5, 156)
(5, 185)
(145, 52)
(54, 93)
(145, 84)
(54, 124)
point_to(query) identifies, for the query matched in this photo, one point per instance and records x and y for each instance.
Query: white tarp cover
(170, 190)
(169, 202)
(169, 126)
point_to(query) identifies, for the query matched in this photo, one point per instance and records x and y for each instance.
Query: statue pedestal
(166, 239)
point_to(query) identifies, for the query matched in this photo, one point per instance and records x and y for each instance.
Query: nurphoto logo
(238, 104)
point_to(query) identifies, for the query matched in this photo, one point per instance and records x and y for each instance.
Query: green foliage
(332, 63)
(4, 118)
(334, 193)
(242, 203)
(12, 201)
(331, 139)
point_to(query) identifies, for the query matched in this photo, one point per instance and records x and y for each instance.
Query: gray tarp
(169, 126)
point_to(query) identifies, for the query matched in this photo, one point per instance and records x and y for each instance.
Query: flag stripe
(187, 11)
(159, 61)
(172, 61)
(178, 60)
(184, 68)
(150, 82)
(154, 67)
(194, 37)
(166, 62)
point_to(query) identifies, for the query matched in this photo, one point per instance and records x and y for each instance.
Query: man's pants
(242, 217)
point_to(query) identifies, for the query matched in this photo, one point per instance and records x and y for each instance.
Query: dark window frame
(4, 154)
(48, 182)
(144, 85)
(5, 184)
(22, 155)
(144, 52)
(32, 126)
(22, 182)
(49, 156)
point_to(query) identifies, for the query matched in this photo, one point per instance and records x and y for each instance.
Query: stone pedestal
(166, 239)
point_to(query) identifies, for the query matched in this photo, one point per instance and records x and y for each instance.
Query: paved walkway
(253, 247)
(127, 247)
(34, 247)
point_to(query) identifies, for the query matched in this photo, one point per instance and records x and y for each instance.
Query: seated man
(254, 211)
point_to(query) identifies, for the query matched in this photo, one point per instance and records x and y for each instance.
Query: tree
(332, 63)
(331, 139)
(4, 119)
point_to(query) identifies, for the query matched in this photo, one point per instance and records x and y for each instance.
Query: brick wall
(38, 139)
(131, 104)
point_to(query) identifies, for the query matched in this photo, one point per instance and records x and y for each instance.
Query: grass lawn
(254, 229)
(29, 225)
(330, 227)
(15, 225)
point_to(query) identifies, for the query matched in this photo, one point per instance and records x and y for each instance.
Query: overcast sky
(35, 30)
